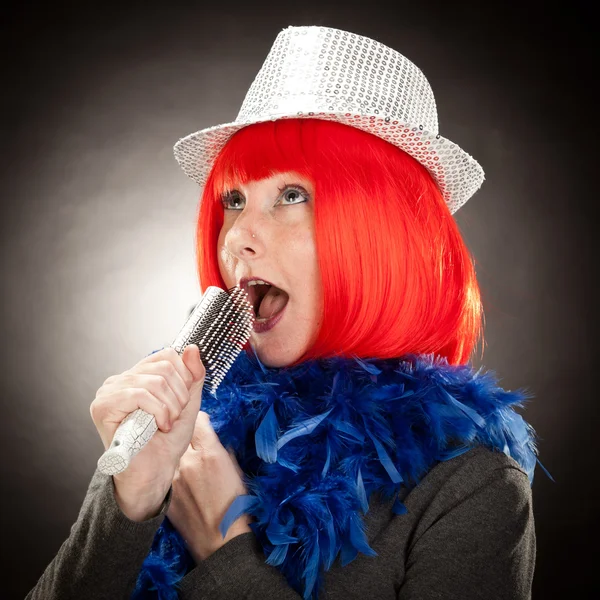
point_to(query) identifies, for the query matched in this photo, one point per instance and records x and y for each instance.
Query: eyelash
(298, 188)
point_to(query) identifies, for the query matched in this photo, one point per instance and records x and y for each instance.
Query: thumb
(204, 437)
(191, 359)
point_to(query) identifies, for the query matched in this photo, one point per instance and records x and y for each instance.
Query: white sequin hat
(324, 73)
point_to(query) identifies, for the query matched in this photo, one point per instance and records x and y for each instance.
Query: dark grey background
(97, 223)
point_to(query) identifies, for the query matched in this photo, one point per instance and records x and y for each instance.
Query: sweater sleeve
(236, 570)
(103, 555)
(478, 543)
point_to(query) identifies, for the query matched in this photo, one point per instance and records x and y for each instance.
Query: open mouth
(267, 300)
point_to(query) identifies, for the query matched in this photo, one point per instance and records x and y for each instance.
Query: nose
(244, 239)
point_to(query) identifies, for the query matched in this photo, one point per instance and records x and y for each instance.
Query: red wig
(397, 276)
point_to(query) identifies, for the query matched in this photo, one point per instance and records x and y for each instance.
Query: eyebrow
(285, 181)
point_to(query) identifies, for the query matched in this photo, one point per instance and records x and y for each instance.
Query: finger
(171, 355)
(104, 408)
(173, 378)
(160, 387)
(204, 436)
(164, 381)
(235, 462)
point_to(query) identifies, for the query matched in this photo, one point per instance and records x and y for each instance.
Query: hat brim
(457, 174)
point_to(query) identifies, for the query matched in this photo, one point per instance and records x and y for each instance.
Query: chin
(275, 355)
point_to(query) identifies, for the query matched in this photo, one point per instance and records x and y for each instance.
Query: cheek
(224, 258)
(303, 253)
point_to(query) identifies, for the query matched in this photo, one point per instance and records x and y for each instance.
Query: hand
(169, 386)
(206, 483)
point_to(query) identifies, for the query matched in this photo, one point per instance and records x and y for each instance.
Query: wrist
(238, 528)
(140, 506)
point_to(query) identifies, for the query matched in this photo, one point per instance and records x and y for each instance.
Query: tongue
(274, 301)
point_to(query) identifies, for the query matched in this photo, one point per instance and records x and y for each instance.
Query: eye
(289, 195)
(232, 200)
(293, 194)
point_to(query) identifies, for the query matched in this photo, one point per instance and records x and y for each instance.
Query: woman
(351, 452)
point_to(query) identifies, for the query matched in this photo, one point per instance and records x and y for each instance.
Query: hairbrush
(220, 326)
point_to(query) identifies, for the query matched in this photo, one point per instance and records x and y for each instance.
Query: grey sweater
(469, 533)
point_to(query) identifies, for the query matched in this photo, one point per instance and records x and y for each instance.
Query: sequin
(374, 88)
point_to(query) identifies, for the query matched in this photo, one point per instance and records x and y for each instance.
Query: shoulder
(475, 466)
(490, 475)
(484, 478)
(481, 499)
(471, 530)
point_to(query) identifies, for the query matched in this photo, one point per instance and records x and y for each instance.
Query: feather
(278, 533)
(358, 537)
(278, 555)
(545, 470)
(385, 460)
(350, 430)
(472, 414)
(448, 454)
(334, 383)
(361, 492)
(332, 541)
(307, 499)
(327, 460)
(312, 569)
(262, 367)
(372, 369)
(348, 553)
(288, 464)
(266, 437)
(240, 505)
(305, 427)
(399, 508)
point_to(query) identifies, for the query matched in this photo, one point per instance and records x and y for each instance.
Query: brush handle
(131, 436)
(138, 427)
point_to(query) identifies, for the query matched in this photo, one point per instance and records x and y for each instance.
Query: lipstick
(263, 326)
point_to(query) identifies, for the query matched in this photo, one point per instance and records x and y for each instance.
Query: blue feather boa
(316, 440)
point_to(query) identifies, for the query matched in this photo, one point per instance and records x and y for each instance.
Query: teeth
(258, 282)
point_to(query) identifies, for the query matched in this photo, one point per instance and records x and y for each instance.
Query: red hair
(397, 276)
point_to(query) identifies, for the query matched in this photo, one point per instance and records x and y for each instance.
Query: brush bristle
(220, 326)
